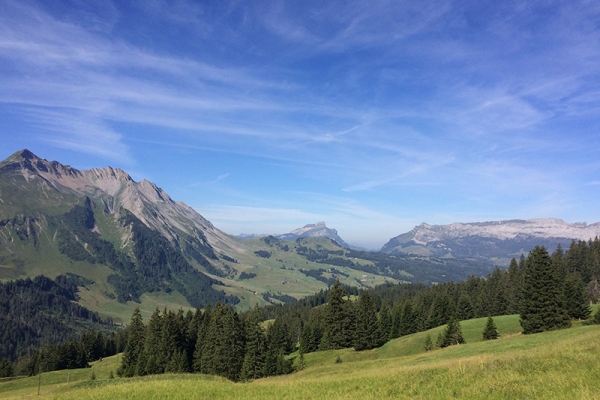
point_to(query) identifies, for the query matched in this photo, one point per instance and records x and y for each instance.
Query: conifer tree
(367, 335)
(149, 361)
(515, 282)
(542, 302)
(385, 324)
(396, 319)
(408, 321)
(465, 309)
(490, 331)
(577, 303)
(452, 334)
(135, 345)
(339, 320)
(203, 327)
(254, 359)
(428, 343)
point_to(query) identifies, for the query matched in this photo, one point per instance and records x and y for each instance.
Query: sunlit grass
(555, 365)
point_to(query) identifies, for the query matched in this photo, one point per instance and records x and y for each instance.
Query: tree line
(547, 291)
(73, 353)
(41, 309)
(215, 341)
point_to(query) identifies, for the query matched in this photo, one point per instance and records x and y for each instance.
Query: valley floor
(559, 364)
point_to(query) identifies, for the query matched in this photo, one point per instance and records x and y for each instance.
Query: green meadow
(552, 365)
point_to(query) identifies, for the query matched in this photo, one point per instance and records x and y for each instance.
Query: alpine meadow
(311, 200)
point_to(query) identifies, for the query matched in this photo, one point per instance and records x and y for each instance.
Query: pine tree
(428, 343)
(515, 281)
(135, 345)
(452, 334)
(542, 302)
(408, 321)
(465, 309)
(442, 310)
(367, 335)
(577, 303)
(385, 324)
(490, 331)
(396, 319)
(203, 327)
(254, 359)
(339, 320)
(596, 319)
(149, 362)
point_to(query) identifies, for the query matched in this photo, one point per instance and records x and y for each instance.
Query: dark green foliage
(542, 302)
(441, 310)
(6, 368)
(263, 253)
(452, 334)
(339, 320)
(134, 347)
(576, 299)
(254, 359)
(596, 319)
(465, 309)
(367, 335)
(385, 324)
(490, 332)
(428, 343)
(40, 309)
(247, 275)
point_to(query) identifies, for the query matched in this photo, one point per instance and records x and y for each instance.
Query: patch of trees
(263, 253)
(279, 296)
(215, 341)
(70, 354)
(34, 311)
(247, 275)
(318, 275)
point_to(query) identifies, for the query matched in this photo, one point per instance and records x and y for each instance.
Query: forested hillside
(33, 311)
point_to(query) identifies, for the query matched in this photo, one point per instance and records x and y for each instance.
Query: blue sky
(265, 116)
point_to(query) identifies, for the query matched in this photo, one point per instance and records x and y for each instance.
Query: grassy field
(552, 365)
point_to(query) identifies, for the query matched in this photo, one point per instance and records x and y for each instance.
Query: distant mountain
(318, 230)
(495, 240)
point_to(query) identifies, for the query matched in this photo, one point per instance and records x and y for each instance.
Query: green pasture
(552, 365)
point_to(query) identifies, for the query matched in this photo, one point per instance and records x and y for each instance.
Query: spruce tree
(408, 321)
(203, 326)
(465, 309)
(385, 324)
(254, 359)
(135, 345)
(577, 303)
(428, 343)
(490, 332)
(542, 302)
(339, 320)
(452, 334)
(367, 335)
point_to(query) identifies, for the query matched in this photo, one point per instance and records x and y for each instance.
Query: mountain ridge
(491, 239)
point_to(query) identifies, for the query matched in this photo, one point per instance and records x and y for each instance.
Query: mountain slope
(138, 247)
(496, 240)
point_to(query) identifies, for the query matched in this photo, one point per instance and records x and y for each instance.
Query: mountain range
(496, 241)
(128, 244)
